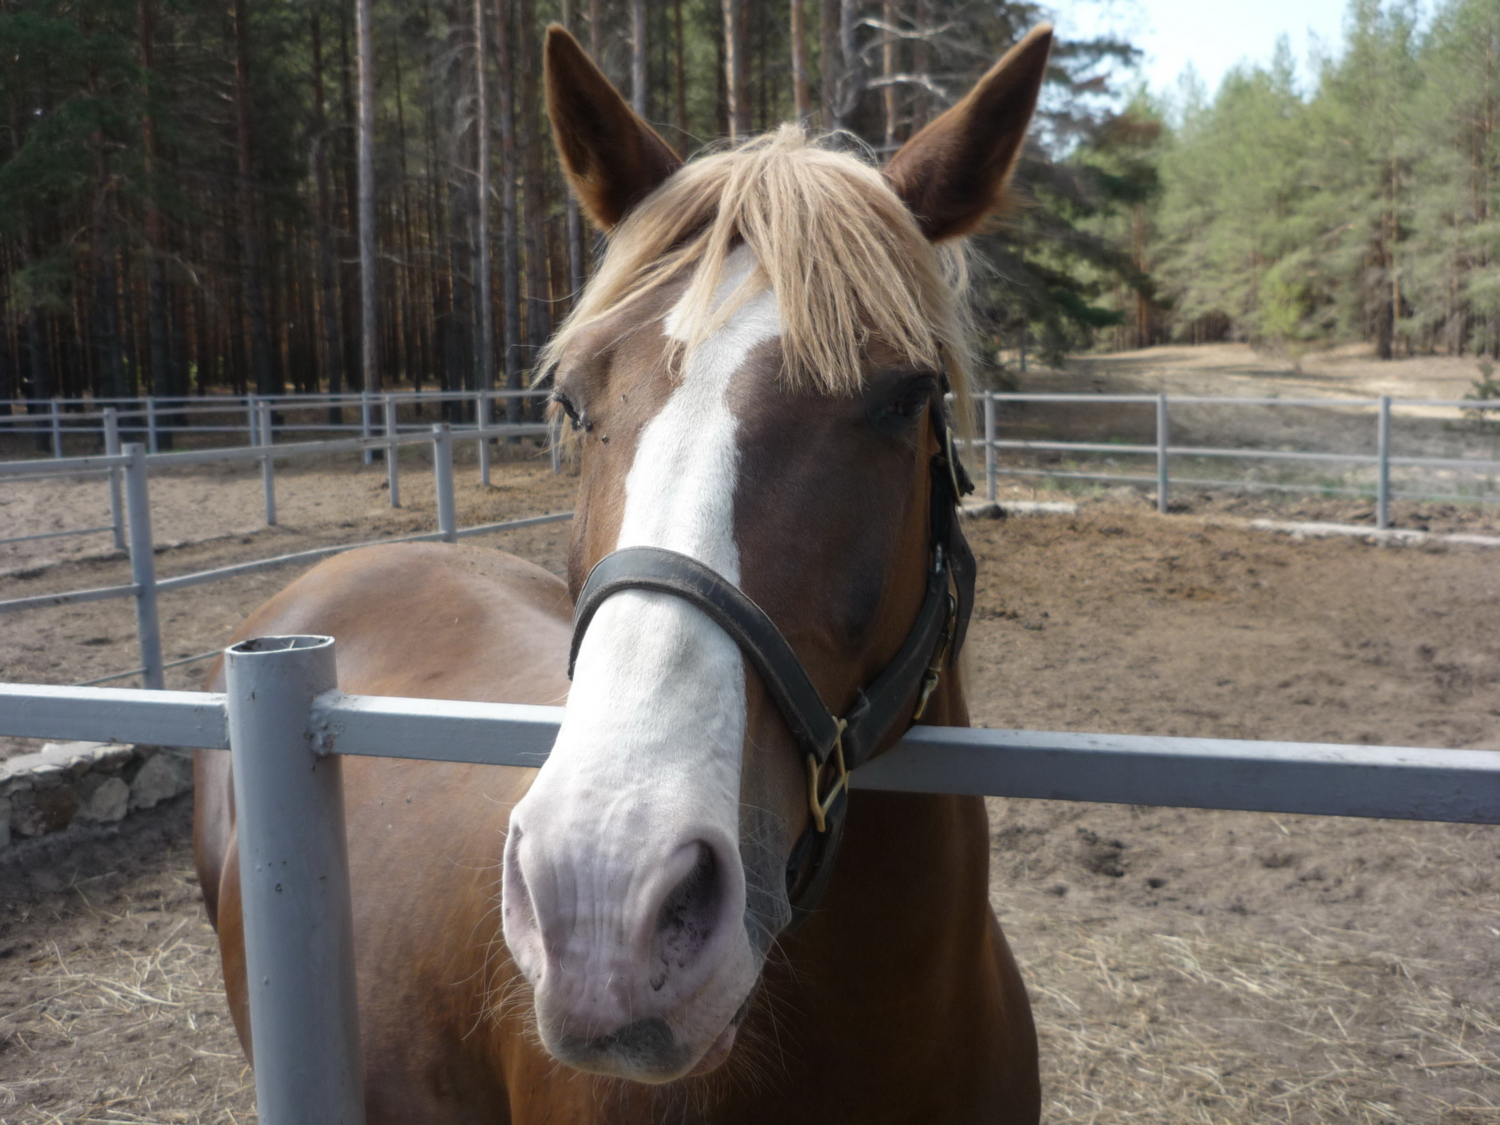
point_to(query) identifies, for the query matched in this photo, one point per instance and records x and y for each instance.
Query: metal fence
(380, 413)
(153, 418)
(1380, 456)
(287, 727)
(127, 469)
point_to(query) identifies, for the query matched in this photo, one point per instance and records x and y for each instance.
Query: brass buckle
(934, 671)
(821, 805)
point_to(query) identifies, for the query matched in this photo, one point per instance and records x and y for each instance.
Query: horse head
(755, 379)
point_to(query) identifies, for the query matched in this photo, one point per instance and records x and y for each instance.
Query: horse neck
(904, 851)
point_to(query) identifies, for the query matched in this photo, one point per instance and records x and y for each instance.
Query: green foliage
(1364, 208)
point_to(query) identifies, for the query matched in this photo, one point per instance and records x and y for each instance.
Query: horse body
(896, 1001)
(757, 388)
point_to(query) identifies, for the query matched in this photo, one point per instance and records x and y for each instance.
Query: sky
(1212, 35)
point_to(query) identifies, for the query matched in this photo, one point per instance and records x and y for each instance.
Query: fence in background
(1380, 456)
(287, 726)
(260, 429)
(381, 414)
(127, 469)
(153, 418)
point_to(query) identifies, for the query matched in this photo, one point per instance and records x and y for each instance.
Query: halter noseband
(899, 693)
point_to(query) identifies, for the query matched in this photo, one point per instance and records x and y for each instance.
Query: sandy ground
(1237, 369)
(1185, 966)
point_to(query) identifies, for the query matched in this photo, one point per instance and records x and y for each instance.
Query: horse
(685, 914)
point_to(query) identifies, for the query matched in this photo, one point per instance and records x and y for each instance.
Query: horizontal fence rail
(287, 726)
(128, 471)
(55, 419)
(1380, 456)
(1330, 779)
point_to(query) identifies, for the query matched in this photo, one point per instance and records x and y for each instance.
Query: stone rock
(43, 810)
(4, 822)
(103, 798)
(164, 775)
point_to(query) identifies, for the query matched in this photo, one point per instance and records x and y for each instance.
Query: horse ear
(952, 173)
(611, 157)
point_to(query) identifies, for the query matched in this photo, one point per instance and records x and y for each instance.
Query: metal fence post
(482, 419)
(267, 463)
(442, 469)
(57, 449)
(392, 478)
(143, 565)
(989, 446)
(1163, 479)
(294, 886)
(364, 422)
(152, 442)
(252, 421)
(116, 502)
(1383, 470)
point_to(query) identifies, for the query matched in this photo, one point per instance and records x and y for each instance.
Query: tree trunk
(573, 219)
(365, 49)
(156, 288)
(485, 359)
(736, 70)
(538, 307)
(830, 68)
(888, 72)
(510, 264)
(851, 73)
(328, 304)
(267, 381)
(679, 70)
(921, 60)
(799, 61)
(638, 56)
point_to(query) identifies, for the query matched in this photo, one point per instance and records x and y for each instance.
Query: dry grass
(1152, 1027)
(128, 1028)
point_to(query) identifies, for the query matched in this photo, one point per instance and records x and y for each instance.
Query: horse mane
(840, 249)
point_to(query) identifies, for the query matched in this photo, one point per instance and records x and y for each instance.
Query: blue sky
(1212, 35)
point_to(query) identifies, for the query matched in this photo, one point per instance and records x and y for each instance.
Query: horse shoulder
(426, 621)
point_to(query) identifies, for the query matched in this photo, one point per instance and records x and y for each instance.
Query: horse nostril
(522, 932)
(687, 917)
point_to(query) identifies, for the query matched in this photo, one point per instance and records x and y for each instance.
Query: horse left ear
(952, 173)
(612, 158)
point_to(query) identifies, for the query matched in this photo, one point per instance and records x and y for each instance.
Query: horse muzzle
(636, 952)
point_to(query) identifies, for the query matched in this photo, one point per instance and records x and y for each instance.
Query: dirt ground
(1185, 966)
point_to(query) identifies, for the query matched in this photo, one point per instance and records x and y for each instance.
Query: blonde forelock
(841, 251)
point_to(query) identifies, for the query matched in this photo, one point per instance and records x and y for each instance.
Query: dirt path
(1185, 966)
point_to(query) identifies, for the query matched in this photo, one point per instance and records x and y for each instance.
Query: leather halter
(881, 711)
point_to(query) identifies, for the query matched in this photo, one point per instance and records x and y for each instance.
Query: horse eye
(911, 401)
(575, 417)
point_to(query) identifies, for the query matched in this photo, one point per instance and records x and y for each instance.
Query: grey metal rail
(287, 727)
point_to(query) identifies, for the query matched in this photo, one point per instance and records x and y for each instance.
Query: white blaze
(649, 752)
(658, 693)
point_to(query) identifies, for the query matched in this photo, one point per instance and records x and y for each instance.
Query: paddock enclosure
(1184, 966)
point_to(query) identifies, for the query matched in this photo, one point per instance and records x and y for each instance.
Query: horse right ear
(612, 158)
(952, 173)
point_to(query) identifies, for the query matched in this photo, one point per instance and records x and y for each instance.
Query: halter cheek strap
(831, 745)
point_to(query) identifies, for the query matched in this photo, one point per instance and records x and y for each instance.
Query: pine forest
(344, 195)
